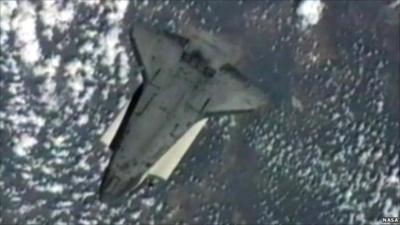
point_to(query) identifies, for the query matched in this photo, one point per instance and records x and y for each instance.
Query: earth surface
(325, 151)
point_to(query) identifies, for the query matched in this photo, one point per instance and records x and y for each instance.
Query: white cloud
(112, 48)
(24, 25)
(83, 119)
(6, 10)
(53, 16)
(149, 202)
(310, 12)
(118, 14)
(54, 188)
(24, 145)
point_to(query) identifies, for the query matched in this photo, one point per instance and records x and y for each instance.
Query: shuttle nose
(105, 192)
(110, 185)
(110, 188)
(113, 188)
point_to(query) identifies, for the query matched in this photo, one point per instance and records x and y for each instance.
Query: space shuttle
(186, 79)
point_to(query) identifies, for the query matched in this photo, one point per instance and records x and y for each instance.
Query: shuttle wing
(229, 92)
(110, 133)
(164, 167)
(233, 92)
